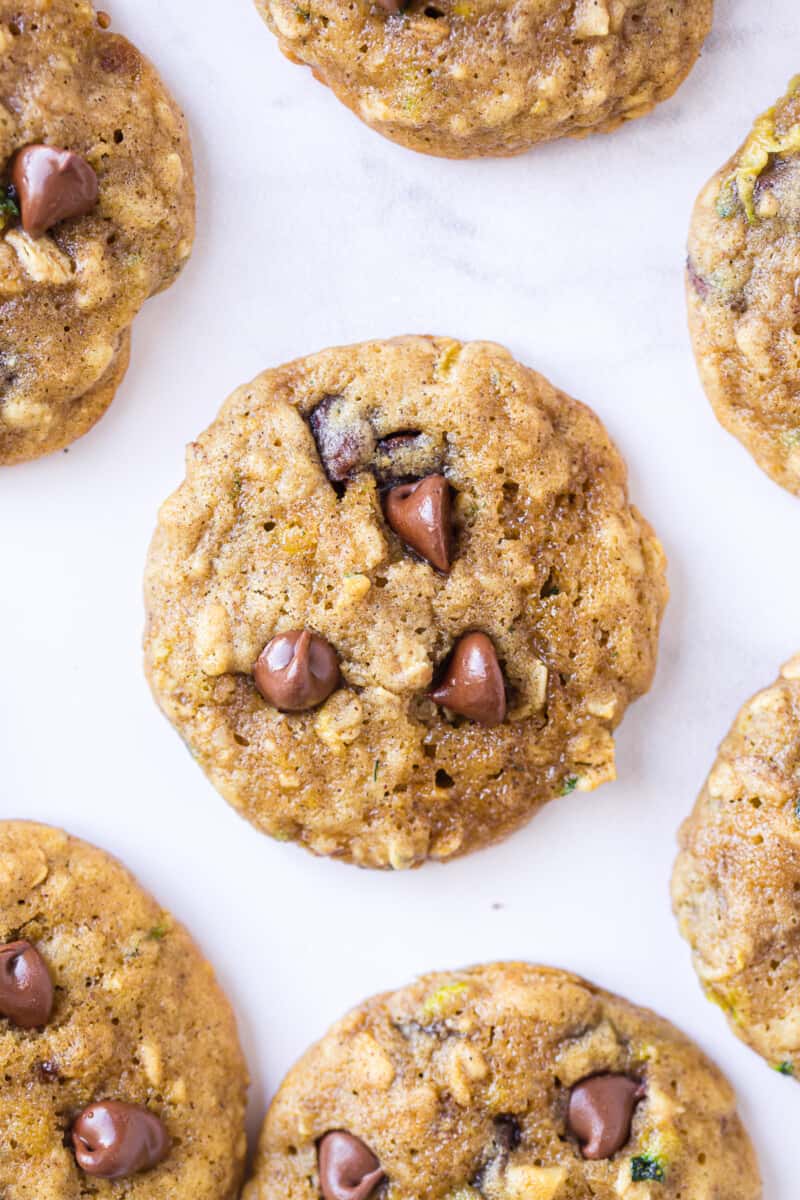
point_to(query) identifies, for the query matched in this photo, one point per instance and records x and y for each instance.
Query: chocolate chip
(391, 6)
(52, 185)
(473, 684)
(49, 1070)
(26, 990)
(421, 514)
(342, 446)
(601, 1112)
(297, 670)
(113, 1140)
(348, 1170)
(700, 285)
(507, 1134)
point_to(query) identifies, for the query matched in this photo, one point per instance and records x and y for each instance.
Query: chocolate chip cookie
(401, 600)
(509, 1082)
(121, 1065)
(464, 78)
(736, 886)
(744, 304)
(96, 214)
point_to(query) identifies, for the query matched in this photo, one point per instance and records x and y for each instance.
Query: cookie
(465, 78)
(401, 600)
(120, 1059)
(737, 878)
(509, 1082)
(96, 214)
(742, 290)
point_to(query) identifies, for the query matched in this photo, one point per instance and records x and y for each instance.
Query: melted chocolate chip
(421, 514)
(342, 447)
(473, 683)
(348, 1170)
(52, 185)
(297, 670)
(26, 990)
(391, 6)
(601, 1112)
(113, 1140)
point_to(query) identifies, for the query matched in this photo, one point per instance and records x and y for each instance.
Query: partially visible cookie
(121, 1065)
(744, 306)
(507, 1082)
(96, 214)
(736, 887)
(401, 600)
(462, 78)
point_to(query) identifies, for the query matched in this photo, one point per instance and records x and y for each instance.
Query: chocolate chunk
(601, 1112)
(421, 514)
(26, 990)
(52, 185)
(396, 443)
(297, 670)
(348, 1170)
(113, 1140)
(342, 446)
(391, 6)
(473, 684)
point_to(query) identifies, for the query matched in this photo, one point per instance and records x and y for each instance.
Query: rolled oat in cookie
(122, 1072)
(401, 600)
(96, 214)
(465, 78)
(503, 1082)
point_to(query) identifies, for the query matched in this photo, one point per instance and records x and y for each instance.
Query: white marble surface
(313, 231)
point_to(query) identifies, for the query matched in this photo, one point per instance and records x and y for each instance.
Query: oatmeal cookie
(736, 886)
(464, 78)
(508, 1082)
(96, 214)
(742, 287)
(401, 600)
(121, 1064)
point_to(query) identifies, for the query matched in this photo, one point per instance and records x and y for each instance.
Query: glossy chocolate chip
(473, 683)
(52, 185)
(421, 514)
(343, 447)
(113, 1140)
(348, 1170)
(601, 1113)
(297, 670)
(26, 989)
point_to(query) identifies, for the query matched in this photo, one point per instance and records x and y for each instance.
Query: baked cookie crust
(461, 1085)
(466, 78)
(737, 878)
(744, 260)
(551, 564)
(137, 1018)
(68, 297)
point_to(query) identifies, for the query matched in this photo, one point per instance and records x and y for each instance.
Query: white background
(315, 231)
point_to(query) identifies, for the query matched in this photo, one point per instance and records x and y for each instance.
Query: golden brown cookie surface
(737, 879)
(464, 698)
(136, 1020)
(464, 78)
(485, 1083)
(744, 307)
(68, 296)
